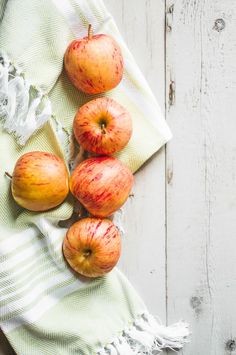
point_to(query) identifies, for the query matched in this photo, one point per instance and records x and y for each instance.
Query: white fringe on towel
(23, 107)
(148, 337)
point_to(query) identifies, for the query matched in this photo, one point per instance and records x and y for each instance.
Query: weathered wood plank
(201, 166)
(143, 259)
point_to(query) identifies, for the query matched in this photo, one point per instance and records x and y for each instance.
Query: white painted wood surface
(201, 199)
(179, 251)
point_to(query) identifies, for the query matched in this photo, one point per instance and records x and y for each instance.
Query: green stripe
(24, 262)
(19, 295)
(95, 315)
(21, 247)
(21, 281)
(3, 4)
(50, 290)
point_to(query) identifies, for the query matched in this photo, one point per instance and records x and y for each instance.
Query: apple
(94, 64)
(92, 246)
(40, 181)
(102, 126)
(101, 184)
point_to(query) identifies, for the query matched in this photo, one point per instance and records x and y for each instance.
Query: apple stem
(103, 128)
(8, 175)
(90, 31)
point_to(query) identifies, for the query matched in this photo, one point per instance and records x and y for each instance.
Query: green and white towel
(44, 307)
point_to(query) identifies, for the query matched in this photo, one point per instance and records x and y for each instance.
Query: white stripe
(147, 100)
(101, 8)
(32, 276)
(28, 253)
(24, 269)
(76, 25)
(35, 294)
(41, 307)
(66, 9)
(151, 111)
(12, 241)
(91, 17)
(53, 235)
(87, 12)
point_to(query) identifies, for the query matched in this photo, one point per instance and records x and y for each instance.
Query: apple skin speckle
(98, 139)
(101, 184)
(92, 246)
(39, 181)
(94, 65)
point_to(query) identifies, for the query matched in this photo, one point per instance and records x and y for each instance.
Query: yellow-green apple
(40, 181)
(102, 184)
(92, 246)
(94, 64)
(102, 126)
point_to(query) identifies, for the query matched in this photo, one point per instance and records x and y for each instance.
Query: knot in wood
(219, 25)
(230, 345)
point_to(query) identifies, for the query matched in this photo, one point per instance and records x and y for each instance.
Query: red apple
(92, 246)
(40, 181)
(102, 126)
(94, 64)
(101, 184)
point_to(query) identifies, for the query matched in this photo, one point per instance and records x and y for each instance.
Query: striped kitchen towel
(44, 307)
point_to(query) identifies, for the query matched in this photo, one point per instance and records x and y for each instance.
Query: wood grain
(201, 200)
(143, 258)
